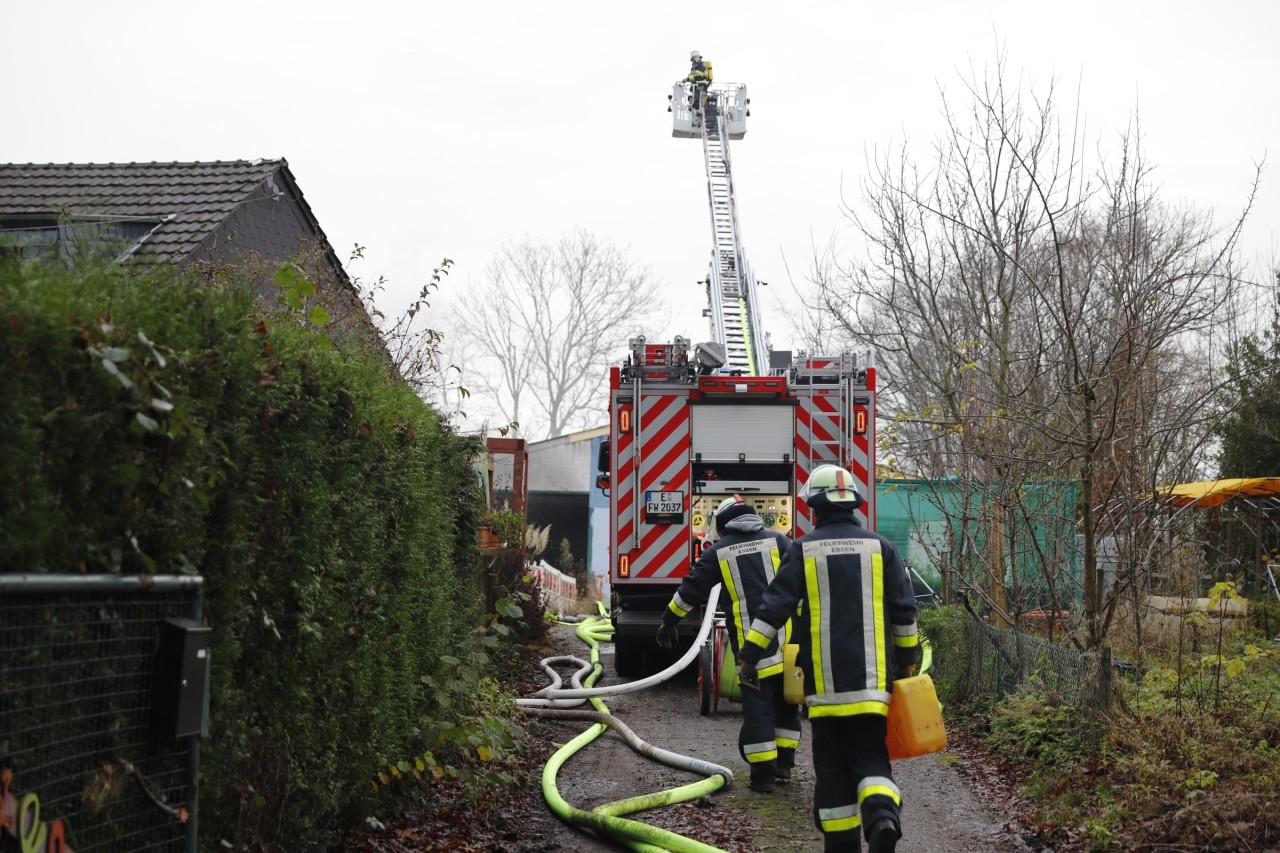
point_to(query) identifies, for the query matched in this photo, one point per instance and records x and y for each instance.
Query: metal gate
(84, 763)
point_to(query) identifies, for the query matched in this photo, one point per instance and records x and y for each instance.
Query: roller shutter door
(727, 433)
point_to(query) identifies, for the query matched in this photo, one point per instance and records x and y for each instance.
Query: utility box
(178, 686)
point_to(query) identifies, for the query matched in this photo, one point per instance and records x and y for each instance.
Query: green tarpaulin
(935, 521)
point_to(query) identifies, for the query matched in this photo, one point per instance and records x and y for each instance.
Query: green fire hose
(608, 819)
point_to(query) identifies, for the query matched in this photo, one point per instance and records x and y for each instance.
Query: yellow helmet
(833, 484)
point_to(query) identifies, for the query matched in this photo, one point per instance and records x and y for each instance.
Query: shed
(562, 473)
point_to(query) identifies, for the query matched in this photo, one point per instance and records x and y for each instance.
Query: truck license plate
(664, 507)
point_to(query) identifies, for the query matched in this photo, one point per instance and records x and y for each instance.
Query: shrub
(153, 423)
(949, 632)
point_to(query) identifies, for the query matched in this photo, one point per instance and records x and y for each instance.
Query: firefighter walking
(743, 560)
(857, 633)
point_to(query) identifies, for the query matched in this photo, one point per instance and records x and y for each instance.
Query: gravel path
(941, 813)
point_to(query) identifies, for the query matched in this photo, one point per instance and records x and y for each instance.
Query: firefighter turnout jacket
(856, 606)
(700, 71)
(744, 563)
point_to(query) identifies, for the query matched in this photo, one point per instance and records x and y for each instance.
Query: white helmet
(830, 484)
(728, 510)
(695, 56)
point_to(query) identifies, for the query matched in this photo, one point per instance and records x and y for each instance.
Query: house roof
(186, 201)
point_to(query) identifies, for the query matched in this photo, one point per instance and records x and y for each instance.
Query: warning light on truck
(859, 420)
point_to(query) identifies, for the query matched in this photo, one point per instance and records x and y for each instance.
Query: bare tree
(1039, 323)
(812, 326)
(546, 325)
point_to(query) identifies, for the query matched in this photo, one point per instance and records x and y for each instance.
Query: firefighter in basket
(857, 633)
(700, 75)
(743, 560)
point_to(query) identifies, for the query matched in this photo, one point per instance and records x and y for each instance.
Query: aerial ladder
(731, 284)
(692, 423)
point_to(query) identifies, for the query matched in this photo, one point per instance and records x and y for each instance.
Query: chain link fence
(999, 661)
(78, 745)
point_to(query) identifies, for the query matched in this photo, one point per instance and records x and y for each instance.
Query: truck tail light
(624, 566)
(860, 420)
(624, 419)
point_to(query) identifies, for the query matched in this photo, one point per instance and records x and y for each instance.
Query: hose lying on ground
(554, 702)
(604, 631)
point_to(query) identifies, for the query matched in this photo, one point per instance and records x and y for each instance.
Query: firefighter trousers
(855, 786)
(770, 729)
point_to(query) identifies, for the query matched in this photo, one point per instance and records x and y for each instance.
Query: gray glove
(666, 636)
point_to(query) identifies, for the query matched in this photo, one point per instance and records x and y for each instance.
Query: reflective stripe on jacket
(700, 72)
(856, 604)
(744, 563)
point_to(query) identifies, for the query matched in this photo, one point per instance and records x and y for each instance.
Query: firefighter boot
(842, 842)
(883, 836)
(786, 760)
(762, 777)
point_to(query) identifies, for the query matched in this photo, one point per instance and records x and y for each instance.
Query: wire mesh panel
(77, 659)
(997, 662)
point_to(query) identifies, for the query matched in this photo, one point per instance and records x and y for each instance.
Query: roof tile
(199, 196)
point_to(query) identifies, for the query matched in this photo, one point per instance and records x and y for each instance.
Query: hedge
(151, 422)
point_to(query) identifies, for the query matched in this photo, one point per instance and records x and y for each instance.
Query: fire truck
(691, 424)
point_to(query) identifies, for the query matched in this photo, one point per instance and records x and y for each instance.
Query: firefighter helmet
(731, 508)
(831, 484)
(694, 56)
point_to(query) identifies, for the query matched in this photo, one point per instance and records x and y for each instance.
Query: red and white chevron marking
(818, 432)
(662, 420)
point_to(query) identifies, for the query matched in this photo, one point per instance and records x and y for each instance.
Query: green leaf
(287, 276)
(115, 371)
(318, 316)
(292, 299)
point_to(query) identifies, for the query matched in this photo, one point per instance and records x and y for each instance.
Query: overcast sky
(426, 130)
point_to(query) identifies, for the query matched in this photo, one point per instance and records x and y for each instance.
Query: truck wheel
(706, 680)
